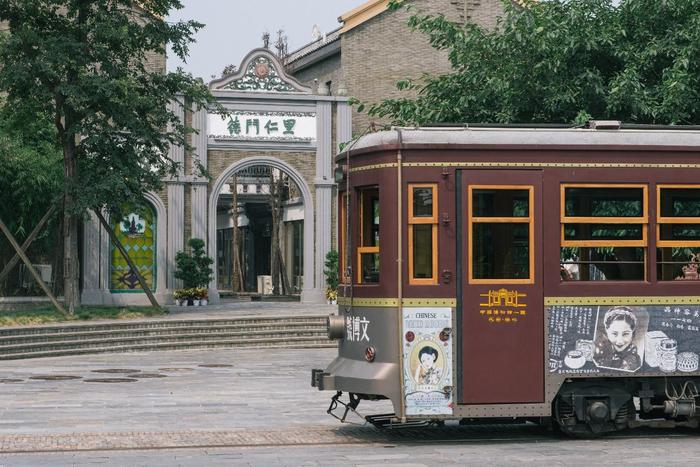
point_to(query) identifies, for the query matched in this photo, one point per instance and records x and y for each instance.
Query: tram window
(422, 233)
(368, 249)
(678, 232)
(603, 232)
(501, 229)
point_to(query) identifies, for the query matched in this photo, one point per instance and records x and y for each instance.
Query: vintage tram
(543, 273)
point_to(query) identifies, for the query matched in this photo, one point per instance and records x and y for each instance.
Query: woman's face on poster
(620, 334)
(427, 361)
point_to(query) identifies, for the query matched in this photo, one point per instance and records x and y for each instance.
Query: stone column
(199, 185)
(343, 125)
(324, 184)
(176, 206)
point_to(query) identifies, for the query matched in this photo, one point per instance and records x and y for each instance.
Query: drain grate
(215, 365)
(11, 380)
(146, 375)
(110, 380)
(174, 370)
(117, 371)
(54, 377)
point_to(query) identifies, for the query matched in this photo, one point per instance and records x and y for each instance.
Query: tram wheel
(566, 421)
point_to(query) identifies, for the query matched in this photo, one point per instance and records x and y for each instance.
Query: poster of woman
(427, 353)
(619, 338)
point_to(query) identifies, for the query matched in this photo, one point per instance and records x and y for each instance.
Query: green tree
(31, 177)
(560, 61)
(83, 64)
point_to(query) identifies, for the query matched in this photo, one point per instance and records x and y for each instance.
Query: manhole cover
(215, 365)
(54, 377)
(174, 370)
(110, 380)
(117, 371)
(146, 375)
(10, 380)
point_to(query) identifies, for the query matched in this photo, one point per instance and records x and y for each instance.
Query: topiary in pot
(194, 266)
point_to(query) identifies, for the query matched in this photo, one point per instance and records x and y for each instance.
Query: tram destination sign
(263, 126)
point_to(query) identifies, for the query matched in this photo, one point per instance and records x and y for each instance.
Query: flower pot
(203, 301)
(195, 302)
(178, 302)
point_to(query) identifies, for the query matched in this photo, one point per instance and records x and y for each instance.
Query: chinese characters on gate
(272, 126)
(252, 126)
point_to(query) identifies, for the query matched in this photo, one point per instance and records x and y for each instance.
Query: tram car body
(524, 273)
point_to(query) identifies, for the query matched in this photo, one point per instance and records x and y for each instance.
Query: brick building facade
(374, 48)
(275, 125)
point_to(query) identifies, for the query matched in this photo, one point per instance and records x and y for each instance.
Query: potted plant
(180, 297)
(194, 270)
(202, 294)
(332, 279)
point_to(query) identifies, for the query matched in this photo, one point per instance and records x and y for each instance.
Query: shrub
(194, 267)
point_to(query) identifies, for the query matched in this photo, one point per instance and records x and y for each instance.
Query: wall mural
(137, 232)
(652, 339)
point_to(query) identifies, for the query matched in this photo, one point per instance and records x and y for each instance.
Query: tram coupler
(350, 406)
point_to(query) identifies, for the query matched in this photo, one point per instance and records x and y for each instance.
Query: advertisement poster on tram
(427, 356)
(651, 339)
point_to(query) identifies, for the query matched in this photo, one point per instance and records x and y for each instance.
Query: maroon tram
(544, 274)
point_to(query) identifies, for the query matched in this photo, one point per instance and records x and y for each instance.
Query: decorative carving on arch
(260, 71)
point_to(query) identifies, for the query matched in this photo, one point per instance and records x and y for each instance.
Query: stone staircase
(166, 334)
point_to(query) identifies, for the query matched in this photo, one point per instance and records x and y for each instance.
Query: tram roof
(596, 134)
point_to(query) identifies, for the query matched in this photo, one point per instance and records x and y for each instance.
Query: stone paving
(255, 407)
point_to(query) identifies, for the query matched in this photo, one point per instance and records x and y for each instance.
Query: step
(139, 340)
(67, 328)
(161, 331)
(300, 344)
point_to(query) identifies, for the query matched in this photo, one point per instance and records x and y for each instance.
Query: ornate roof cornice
(260, 71)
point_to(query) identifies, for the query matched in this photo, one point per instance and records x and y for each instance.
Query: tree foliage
(561, 61)
(84, 64)
(31, 179)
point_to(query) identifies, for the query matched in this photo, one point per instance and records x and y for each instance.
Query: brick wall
(383, 50)
(302, 162)
(324, 71)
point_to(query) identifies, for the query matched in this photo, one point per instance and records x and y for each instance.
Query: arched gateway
(272, 122)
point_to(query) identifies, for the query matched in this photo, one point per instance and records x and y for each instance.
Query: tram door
(502, 319)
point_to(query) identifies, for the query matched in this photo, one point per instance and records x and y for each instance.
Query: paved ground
(255, 407)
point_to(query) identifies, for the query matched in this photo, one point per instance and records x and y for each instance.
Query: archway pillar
(324, 185)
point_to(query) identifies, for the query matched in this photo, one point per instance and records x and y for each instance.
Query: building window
(422, 233)
(368, 249)
(603, 232)
(137, 233)
(501, 234)
(678, 232)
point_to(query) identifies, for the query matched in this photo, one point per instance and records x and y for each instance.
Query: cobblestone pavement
(254, 407)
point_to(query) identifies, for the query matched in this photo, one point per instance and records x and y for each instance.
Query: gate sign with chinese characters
(503, 306)
(263, 126)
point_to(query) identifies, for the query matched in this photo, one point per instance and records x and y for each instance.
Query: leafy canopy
(83, 64)
(561, 61)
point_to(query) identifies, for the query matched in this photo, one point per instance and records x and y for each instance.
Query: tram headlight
(336, 327)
